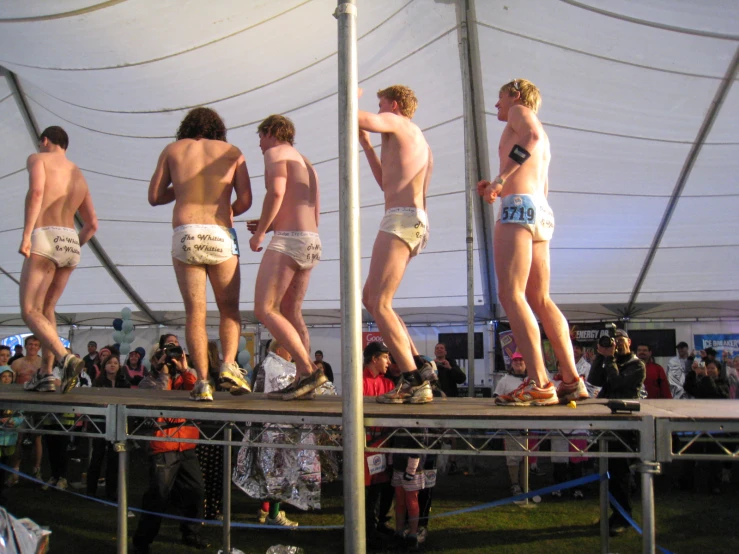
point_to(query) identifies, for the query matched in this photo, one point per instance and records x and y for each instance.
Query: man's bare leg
(513, 251)
(225, 278)
(192, 281)
(390, 257)
(58, 284)
(37, 276)
(554, 323)
(292, 305)
(414, 350)
(276, 274)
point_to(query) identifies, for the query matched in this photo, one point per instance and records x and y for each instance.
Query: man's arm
(88, 215)
(314, 186)
(242, 186)
(34, 200)
(427, 178)
(275, 178)
(160, 191)
(372, 158)
(455, 372)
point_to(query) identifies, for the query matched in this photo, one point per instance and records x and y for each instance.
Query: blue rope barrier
(615, 504)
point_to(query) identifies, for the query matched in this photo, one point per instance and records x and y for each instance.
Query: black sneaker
(194, 541)
(71, 366)
(40, 383)
(300, 387)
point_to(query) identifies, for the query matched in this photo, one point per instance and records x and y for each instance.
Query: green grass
(686, 522)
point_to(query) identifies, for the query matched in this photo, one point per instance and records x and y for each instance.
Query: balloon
(117, 324)
(243, 358)
(118, 336)
(127, 326)
(126, 313)
(125, 348)
(242, 343)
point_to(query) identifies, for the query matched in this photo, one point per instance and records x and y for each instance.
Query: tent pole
(351, 312)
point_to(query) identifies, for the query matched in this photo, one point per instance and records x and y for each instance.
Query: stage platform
(477, 426)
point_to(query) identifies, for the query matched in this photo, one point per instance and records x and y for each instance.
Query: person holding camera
(173, 466)
(620, 375)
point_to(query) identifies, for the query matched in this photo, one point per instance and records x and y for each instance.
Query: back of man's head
(56, 135)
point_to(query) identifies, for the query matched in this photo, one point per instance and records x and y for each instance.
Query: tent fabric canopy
(638, 103)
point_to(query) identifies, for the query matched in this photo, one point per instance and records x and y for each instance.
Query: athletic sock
(419, 361)
(265, 507)
(274, 510)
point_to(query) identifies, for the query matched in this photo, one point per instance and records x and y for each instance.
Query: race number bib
(518, 209)
(235, 247)
(376, 463)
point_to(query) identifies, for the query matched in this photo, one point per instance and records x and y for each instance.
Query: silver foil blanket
(289, 475)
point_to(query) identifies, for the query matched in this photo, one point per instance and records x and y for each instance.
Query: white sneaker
(50, 483)
(62, 484)
(281, 521)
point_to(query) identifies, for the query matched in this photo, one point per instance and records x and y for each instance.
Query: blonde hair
(530, 96)
(405, 97)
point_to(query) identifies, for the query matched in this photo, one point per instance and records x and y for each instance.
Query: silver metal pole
(122, 449)
(227, 491)
(472, 172)
(351, 312)
(648, 468)
(603, 470)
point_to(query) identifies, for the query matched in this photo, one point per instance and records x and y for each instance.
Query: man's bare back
(202, 173)
(64, 189)
(298, 208)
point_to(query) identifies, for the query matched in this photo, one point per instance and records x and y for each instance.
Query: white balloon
(125, 348)
(127, 326)
(118, 336)
(126, 313)
(242, 343)
(243, 358)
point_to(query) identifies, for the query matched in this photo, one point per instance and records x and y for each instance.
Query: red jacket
(656, 382)
(184, 381)
(375, 386)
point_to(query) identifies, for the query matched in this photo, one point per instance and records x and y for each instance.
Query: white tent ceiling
(637, 100)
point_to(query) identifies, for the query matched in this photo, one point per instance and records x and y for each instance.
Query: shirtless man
(403, 173)
(198, 173)
(27, 366)
(51, 245)
(521, 248)
(291, 209)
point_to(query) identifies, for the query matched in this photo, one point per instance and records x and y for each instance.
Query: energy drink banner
(720, 343)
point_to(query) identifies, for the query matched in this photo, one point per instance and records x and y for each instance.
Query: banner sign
(720, 343)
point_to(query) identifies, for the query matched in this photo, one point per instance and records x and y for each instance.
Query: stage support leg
(603, 470)
(227, 491)
(122, 449)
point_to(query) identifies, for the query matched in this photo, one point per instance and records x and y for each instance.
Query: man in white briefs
(291, 211)
(51, 245)
(403, 173)
(524, 227)
(199, 172)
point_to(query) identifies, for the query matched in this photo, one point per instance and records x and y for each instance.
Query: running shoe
(202, 392)
(572, 391)
(300, 387)
(407, 393)
(529, 394)
(71, 367)
(50, 483)
(232, 380)
(40, 383)
(281, 521)
(262, 516)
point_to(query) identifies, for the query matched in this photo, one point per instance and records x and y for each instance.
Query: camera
(606, 341)
(171, 351)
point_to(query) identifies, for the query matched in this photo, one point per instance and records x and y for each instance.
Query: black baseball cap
(373, 348)
(682, 344)
(92, 343)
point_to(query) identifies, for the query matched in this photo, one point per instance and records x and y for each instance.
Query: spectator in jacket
(173, 466)
(656, 382)
(620, 375)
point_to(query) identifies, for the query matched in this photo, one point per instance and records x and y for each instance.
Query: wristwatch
(498, 181)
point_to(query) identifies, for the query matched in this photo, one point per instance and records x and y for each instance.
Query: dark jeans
(103, 450)
(174, 476)
(56, 450)
(378, 500)
(619, 484)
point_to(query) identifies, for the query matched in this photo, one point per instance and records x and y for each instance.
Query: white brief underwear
(302, 246)
(530, 211)
(204, 244)
(60, 244)
(411, 225)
